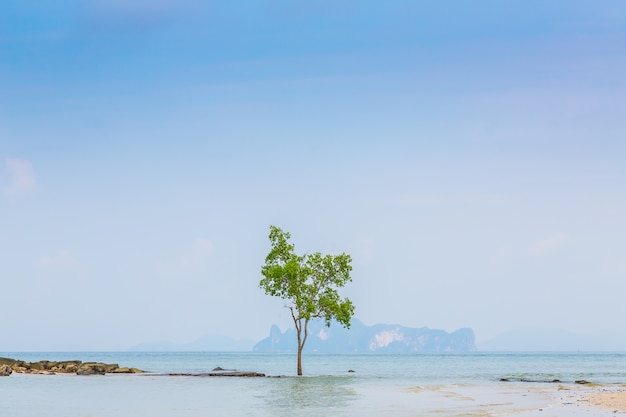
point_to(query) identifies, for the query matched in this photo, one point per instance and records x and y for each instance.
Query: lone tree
(308, 283)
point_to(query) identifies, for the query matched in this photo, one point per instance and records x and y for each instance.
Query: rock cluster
(7, 366)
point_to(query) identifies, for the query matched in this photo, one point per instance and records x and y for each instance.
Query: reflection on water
(318, 394)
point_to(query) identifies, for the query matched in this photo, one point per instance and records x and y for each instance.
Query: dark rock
(222, 373)
(581, 381)
(543, 381)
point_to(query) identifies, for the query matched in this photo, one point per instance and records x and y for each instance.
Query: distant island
(379, 338)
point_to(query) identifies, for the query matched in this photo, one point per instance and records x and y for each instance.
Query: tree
(308, 283)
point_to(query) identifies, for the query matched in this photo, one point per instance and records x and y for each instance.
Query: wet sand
(524, 400)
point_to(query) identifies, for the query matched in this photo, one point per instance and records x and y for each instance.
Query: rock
(19, 366)
(71, 368)
(109, 367)
(126, 370)
(77, 367)
(581, 381)
(242, 374)
(7, 361)
(5, 370)
(36, 366)
(219, 368)
(91, 368)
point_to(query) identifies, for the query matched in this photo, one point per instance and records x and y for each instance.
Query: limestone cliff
(379, 338)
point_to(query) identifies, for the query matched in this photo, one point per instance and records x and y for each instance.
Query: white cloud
(548, 244)
(193, 260)
(62, 261)
(22, 177)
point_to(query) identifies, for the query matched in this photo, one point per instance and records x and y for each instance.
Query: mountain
(379, 338)
(214, 343)
(544, 340)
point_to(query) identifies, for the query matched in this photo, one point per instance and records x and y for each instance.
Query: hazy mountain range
(386, 338)
(379, 338)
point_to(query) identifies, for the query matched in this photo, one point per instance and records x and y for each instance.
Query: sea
(475, 384)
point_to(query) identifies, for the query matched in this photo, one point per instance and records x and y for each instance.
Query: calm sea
(381, 385)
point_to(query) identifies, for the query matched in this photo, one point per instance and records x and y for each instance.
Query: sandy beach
(589, 400)
(567, 400)
(610, 399)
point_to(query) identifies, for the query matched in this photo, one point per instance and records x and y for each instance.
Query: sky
(469, 156)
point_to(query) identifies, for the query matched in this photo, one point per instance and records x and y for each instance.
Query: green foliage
(309, 283)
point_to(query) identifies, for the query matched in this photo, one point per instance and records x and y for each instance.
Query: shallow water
(390, 385)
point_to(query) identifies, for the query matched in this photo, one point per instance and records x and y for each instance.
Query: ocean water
(381, 385)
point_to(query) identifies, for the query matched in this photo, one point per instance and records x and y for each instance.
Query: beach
(523, 401)
(609, 399)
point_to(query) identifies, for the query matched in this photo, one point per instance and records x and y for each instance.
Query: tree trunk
(300, 344)
(299, 359)
(301, 340)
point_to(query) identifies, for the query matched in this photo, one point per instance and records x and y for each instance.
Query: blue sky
(469, 155)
